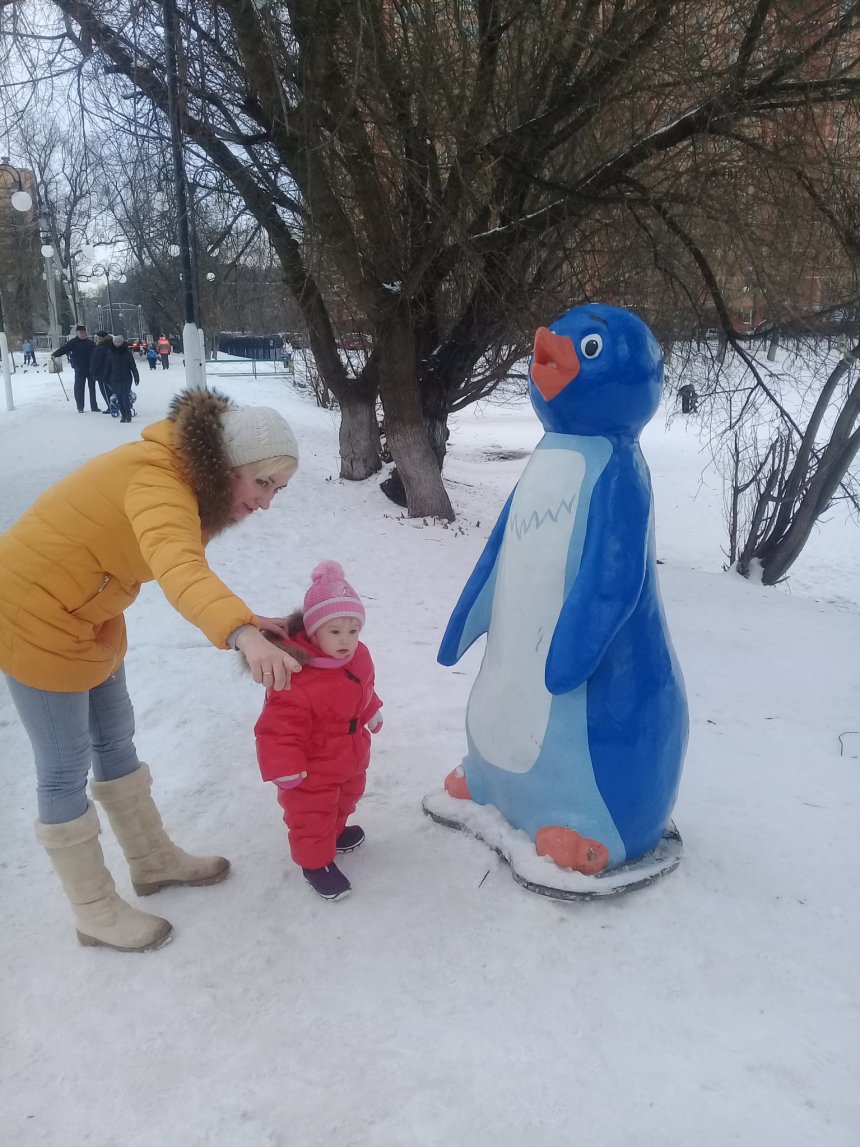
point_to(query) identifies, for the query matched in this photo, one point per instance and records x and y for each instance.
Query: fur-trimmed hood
(300, 648)
(198, 439)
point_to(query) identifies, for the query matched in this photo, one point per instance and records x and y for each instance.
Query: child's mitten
(290, 782)
(375, 722)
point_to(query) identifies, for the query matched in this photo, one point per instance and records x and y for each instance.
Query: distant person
(152, 357)
(98, 366)
(689, 398)
(79, 351)
(120, 373)
(313, 740)
(29, 352)
(163, 349)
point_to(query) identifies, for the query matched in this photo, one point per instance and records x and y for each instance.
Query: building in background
(24, 306)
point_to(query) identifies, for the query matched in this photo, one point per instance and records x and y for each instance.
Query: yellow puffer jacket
(76, 559)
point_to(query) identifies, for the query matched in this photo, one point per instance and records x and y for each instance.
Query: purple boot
(329, 882)
(350, 839)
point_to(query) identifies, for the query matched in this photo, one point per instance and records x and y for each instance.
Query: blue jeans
(71, 731)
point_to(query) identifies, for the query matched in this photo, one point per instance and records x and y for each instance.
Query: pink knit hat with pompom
(330, 596)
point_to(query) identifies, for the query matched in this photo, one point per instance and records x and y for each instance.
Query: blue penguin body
(578, 716)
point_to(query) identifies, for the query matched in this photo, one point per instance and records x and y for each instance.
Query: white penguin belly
(509, 705)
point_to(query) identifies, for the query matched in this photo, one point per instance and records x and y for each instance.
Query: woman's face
(253, 491)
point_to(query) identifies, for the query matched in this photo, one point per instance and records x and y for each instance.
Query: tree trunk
(359, 438)
(426, 496)
(788, 549)
(830, 471)
(406, 426)
(434, 404)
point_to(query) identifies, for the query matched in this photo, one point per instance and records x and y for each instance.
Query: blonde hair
(282, 466)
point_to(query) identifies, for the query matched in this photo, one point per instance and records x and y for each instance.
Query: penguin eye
(591, 346)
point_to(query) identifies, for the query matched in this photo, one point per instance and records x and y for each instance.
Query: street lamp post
(210, 278)
(110, 300)
(106, 269)
(72, 277)
(135, 309)
(85, 251)
(49, 254)
(21, 201)
(192, 335)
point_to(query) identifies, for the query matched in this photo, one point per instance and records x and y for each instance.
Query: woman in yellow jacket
(68, 569)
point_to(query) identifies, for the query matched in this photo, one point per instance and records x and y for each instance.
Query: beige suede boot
(153, 859)
(102, 917)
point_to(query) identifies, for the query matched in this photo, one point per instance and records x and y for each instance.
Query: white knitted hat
(252, 433)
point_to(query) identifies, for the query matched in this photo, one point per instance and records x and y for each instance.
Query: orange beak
(555, 363)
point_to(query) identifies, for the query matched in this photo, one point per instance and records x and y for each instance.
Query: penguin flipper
(471, 615)
(606, 589)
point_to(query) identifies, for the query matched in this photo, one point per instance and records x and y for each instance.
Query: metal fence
(217, 368)
(250, 346)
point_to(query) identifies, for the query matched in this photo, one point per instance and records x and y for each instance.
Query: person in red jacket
(163, 349)
(313, 739)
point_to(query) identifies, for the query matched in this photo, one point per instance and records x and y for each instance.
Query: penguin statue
(576, 725)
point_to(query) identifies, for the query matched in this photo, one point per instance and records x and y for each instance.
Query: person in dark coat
(689, 398)
(79, 351)
(98, 365)
(121, 370)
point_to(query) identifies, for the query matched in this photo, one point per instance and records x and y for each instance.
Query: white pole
(203, 352)
(53, 313)
(7, 373)
(195, 374)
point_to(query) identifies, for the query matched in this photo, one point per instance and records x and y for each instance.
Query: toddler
(313, 739)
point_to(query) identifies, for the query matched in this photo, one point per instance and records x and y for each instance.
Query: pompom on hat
(330, 596)
(253, 433)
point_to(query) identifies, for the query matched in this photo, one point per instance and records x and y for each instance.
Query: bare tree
(788, 451)
(65, 201)
(462, 172)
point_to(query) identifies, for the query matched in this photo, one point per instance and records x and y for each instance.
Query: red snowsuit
(317, 726)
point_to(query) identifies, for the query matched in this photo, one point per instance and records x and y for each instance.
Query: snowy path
(437, 1007)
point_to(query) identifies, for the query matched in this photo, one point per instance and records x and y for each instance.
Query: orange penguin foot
(571, 850)
(455, 785)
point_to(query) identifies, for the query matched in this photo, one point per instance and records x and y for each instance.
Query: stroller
(113, 404)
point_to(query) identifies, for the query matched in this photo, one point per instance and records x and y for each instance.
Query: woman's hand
(269, 665)
(276, 625)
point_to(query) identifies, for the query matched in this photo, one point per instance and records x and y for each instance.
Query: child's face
(338, 637)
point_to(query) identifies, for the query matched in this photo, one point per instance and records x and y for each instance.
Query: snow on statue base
(540, 874)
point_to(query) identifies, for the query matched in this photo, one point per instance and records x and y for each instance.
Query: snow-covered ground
(442, 1005)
